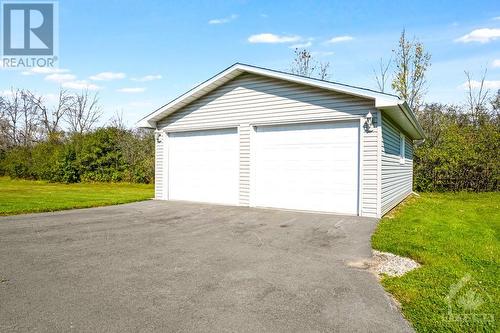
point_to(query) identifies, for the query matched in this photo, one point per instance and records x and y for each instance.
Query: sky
(138, 55)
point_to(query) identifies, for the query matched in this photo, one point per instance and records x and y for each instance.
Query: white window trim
(402, 148)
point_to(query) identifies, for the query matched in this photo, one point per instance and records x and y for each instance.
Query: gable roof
(392, 105)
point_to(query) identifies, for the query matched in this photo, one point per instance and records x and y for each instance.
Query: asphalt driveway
(182, 267)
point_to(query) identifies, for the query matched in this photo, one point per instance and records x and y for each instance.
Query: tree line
(62, 142)
(462, 146)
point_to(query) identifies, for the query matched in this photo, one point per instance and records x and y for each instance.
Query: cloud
(131, 90)
(477, 84)
(59, 78)
(44, 70)
(496, 63)
(320, 54)
(496, 18)
(80, 84)
(272, 38)
(484, 35)
(6, 93)
(223, 20)
(147, 78)
(108, 76)
(301, 45)
(339, 39)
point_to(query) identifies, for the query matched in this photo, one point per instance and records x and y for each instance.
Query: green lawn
(455, 236)
(24, 196)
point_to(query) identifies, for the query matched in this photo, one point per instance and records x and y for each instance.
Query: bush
(104, 155)
(459, 154)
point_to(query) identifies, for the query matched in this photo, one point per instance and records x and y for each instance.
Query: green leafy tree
(411, 64)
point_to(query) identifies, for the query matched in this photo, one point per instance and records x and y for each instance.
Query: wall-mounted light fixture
(159, 136)
(369, 122)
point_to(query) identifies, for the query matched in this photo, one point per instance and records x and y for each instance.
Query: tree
(477, 98)
(117, 121)
(83, 113)
(412, 62)
(29, 133)
(303, 64)
(12, 116)
(381, 75)
(50, 118)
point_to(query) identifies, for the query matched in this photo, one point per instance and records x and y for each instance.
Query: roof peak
(313, 78)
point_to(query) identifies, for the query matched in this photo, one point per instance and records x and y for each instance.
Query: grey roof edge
(382, 100)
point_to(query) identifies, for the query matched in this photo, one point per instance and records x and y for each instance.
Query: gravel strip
(384, 263)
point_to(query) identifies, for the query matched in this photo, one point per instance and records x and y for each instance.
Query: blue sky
(140, 54)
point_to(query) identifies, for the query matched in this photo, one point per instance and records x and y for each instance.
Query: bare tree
(303, 64)
(50, 118)
(411, 61)
(83, 113)
(381, 74)
(12, 116)
(29, 119)
(117, 121)
(4, 125)
(323, 71)
(477, 97)
(19, 122)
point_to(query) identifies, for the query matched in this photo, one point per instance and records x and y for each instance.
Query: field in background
(24, 196)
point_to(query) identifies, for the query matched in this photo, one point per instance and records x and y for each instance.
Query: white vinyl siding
(397, 177)
(251, 99)
(159, 166)
(245, 133)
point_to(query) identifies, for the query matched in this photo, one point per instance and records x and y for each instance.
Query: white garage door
(203, 166)
(308, 167)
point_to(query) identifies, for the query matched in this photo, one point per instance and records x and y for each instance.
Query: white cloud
(44, 70)
(484, 35)
(320, 54)
(339, 39)
(301, 45)
(272, 38)
(59, 78)
(147, 78)
(80, 84)
(223, 20)
(496, 18)
(6, 93)
(131, 90)
(496, 63)
(477, 84)
(108, 76)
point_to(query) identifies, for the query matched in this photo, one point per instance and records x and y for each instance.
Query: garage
(256, 137)
(308, 167)
(203, 166)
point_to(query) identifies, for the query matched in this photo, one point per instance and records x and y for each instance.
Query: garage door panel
(308, 166)
(203, 166)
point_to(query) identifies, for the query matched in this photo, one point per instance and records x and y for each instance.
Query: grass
(25, 196)
(455, 236)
